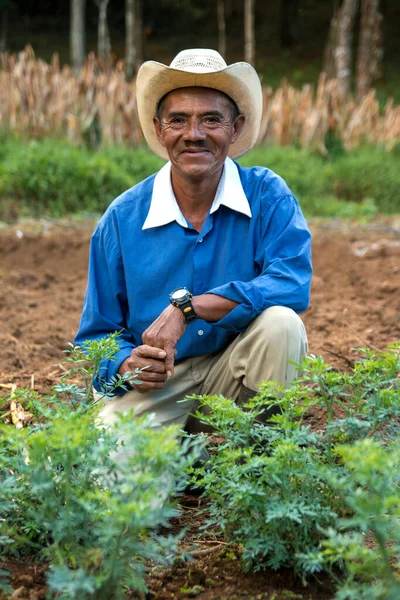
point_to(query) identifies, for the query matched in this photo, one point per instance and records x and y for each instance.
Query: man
(205, 265)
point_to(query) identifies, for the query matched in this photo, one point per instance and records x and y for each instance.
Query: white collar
(164, 207)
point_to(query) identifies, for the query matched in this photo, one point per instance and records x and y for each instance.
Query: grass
(54, 178)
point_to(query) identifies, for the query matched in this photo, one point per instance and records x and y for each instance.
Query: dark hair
(234, 108)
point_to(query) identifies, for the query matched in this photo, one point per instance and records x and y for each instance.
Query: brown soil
(355, 303)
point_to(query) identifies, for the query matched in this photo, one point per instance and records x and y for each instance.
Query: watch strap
(188, 311)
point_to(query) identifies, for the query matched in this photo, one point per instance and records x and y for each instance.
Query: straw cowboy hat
(200, 67)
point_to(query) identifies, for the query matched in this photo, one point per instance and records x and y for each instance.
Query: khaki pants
(260, 353)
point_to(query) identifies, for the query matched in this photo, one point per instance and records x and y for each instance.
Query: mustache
(198, 145)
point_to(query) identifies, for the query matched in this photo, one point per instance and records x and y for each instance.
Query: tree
(77, 33)
(249, 37)
(329, 58)
(369, 47)
(338, 52)
(103, 36)
(139, 32)
(130, 49)
(343, 51)
(221, 27)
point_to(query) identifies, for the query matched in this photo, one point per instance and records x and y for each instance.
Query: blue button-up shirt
(258, 256)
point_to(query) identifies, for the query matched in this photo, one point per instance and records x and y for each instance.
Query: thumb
(169, 360)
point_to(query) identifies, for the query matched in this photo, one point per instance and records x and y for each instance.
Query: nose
(194, 130)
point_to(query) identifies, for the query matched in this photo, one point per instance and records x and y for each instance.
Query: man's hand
(164, 333)
(154, 375)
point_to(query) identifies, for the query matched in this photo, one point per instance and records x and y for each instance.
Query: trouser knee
(269, 346)
(277, 325)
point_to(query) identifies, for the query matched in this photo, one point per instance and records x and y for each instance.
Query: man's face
(197, 127)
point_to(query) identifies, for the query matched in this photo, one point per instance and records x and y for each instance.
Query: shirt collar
(164, 207)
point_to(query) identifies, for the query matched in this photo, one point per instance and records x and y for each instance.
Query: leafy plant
(265, 487)
(54, 178)
(281, 490)
(368, 396)
(85, 498)
(368, 542)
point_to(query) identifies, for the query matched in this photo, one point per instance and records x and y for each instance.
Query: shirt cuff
(109, 369)
(237, 319)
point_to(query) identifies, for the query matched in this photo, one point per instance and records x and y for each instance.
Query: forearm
(211, 307)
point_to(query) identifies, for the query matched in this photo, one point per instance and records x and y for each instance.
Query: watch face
(179, 294)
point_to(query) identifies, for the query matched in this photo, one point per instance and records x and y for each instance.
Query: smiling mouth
(195, 151)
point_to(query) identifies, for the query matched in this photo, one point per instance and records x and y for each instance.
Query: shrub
(138, 164)
(305, 173)
(85, 498)
(353, 184)
(265, 488)
(281, 490)
(368, 173)
(368, 542)
(54, 178)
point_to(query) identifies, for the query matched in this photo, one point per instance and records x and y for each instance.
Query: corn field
(38, 99)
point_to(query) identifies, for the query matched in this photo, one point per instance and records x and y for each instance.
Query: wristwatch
(182, 299)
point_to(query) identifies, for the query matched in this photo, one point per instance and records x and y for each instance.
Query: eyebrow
(209, 113)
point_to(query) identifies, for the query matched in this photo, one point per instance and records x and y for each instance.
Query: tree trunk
(139, 33)
(377, 45)
(77, 34)
(103, 36)
(249, 38)
(343, 50)
(369, 16)
(331, 42)
(289, 20)
(130, 51)
(221, 27)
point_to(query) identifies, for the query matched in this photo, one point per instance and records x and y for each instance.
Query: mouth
(195, 151)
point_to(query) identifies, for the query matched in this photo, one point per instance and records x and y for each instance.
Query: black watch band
(182, 299)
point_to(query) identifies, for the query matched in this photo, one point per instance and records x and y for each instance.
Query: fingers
(169, 360)
(155, 366)
(146, 357)
(151, 376)
(146, 351)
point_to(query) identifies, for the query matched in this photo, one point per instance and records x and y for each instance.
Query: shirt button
(200, 240)
(200, 332)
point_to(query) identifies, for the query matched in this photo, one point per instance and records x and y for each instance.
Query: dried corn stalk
(40, 99)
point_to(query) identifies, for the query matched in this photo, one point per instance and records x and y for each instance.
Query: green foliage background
(54, 178)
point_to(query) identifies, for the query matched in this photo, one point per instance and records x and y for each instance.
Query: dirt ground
(355, 303)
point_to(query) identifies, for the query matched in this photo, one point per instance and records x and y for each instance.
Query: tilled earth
(355, 303)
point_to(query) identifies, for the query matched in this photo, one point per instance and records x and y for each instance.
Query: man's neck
(195, 196)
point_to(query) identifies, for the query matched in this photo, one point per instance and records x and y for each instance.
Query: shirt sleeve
(105, 301)
(283, 255)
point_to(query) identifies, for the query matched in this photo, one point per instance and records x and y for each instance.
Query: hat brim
(238, 81)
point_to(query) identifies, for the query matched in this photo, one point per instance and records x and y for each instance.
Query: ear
(238, 125)
(157, 127)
